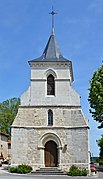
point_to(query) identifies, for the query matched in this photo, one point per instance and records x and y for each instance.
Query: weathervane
(53, 13)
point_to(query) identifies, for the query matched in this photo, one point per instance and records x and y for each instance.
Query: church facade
(50, 129)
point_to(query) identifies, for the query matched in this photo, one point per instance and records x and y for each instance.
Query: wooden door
(51, 154)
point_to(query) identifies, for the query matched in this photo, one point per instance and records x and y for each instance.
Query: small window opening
(50, 118)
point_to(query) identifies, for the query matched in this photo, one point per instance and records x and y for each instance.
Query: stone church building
(50, 129)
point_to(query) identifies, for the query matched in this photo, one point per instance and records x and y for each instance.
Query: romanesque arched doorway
(51, 154)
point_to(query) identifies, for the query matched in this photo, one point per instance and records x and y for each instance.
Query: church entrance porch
(51, 154)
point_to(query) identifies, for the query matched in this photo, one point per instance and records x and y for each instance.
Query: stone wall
(30, 130)
(38, 116)
(74, 146)
(69, 125)
(36, 94)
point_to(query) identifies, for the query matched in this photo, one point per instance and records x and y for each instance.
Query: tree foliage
(96, 96)
(100, 144)
(8, 111)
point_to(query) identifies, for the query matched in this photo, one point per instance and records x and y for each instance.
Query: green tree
(96, 96)
(100, 144)
(8, 111)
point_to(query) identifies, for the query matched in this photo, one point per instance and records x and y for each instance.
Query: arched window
(50, 85)
(50, 118)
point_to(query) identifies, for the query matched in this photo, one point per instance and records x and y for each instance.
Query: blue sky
(25, 26)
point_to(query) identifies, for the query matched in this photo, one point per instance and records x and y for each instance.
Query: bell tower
(50, 128)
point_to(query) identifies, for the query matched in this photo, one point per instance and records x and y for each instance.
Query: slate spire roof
(52, 51)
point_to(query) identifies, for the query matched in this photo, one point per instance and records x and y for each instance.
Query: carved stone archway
(45, 139)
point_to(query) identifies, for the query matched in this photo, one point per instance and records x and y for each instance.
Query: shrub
(21, 169)
(13, 169)
(75, 171)
(84, 172)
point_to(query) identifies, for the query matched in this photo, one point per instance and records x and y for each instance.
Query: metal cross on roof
(52, 13)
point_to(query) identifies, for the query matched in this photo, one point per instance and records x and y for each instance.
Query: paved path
(14, 176)
(5, 175)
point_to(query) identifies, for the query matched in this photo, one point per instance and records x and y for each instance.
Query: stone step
(49, 171)
(49, 168)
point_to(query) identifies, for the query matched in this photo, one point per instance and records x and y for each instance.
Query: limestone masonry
(50, 129)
